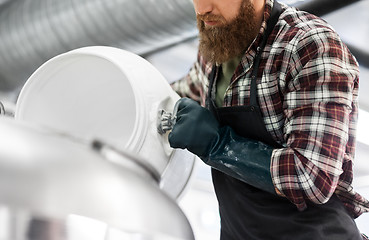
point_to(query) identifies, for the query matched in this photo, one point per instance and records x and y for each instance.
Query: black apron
(250, 213)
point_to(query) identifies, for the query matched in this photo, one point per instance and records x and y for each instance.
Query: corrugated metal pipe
(33, 31)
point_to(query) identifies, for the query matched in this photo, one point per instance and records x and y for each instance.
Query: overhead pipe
(32, 32)
(322, 7)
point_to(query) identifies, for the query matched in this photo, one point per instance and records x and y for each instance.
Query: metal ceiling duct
(31, 32)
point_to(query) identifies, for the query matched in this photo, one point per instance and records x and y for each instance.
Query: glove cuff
(245, 159)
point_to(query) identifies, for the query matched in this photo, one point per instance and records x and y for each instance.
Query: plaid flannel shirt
(308, 93)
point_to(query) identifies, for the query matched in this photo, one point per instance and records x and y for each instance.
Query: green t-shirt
(224, 79)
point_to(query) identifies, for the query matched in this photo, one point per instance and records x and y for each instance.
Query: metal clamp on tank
(166, 120)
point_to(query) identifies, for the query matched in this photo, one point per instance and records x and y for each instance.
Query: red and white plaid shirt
(308, 94)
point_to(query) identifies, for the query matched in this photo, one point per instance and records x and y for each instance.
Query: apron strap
(276, 12)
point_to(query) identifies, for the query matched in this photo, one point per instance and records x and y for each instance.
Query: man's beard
(221, 43)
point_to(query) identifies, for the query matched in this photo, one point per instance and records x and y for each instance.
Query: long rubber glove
(197, 130)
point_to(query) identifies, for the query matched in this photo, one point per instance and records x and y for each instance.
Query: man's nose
(203, 6)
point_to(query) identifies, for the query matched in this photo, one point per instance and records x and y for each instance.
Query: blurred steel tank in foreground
(57, 187)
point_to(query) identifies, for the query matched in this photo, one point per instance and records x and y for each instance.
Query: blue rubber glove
(245, 159)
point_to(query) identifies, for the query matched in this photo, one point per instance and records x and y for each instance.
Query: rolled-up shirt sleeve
(195, 83)
(320, 108)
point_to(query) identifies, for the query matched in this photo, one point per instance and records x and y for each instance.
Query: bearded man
(279, 101)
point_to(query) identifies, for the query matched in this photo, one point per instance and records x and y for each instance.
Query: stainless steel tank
(57, 187)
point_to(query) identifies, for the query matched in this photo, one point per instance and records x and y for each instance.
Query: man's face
(226, 28)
